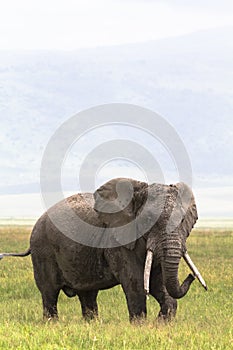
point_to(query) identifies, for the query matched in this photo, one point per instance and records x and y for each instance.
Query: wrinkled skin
(60, 263)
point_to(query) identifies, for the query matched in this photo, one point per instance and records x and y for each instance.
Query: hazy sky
(73, 24)
(50, 24)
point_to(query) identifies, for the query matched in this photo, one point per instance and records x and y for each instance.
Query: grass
(204, 319)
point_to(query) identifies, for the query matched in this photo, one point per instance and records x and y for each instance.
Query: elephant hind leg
(48, 280)
(88, 304)
(168, 305)
(49, 299)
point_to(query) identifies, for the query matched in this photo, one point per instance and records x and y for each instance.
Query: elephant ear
(184, 213)
(152, 201)
(115, 205)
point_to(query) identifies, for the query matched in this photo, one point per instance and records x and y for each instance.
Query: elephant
(138, 236)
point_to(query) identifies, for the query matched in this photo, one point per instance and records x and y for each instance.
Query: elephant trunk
(170, 268)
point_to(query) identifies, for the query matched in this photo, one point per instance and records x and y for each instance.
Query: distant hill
(187, 79)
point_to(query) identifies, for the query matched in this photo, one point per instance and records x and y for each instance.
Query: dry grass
(204, 319)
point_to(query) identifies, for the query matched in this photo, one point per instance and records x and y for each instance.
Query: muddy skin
(60, 263)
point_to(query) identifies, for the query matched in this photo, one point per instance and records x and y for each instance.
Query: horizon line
(111, 45)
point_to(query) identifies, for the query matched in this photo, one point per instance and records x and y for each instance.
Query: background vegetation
(204, 319)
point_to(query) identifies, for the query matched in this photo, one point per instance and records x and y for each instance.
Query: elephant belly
(85, 272)
(88, 281)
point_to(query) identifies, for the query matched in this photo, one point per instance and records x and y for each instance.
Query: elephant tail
(28, 252)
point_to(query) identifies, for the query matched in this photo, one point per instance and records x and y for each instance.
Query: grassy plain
(204, 319)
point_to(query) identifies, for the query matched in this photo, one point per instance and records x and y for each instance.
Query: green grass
(204, 319)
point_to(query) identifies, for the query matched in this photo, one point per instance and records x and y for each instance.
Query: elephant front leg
(168, 305)
(136, 301)
(128, 271)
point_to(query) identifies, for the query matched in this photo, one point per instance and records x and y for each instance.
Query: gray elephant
(128, 233)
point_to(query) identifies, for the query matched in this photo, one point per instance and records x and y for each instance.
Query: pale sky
(73, 24)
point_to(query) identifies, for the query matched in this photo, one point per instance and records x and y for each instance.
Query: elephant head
(163, 214)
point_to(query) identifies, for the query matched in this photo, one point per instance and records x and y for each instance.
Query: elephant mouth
(186, 257)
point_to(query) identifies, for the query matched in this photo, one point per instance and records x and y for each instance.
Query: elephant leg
(49, 299)
(88, 303)
(128, 271)
(47, 277)
(136, 301)
(168, 305)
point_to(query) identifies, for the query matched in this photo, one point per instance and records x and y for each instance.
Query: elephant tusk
(194, 269)
(148, 263)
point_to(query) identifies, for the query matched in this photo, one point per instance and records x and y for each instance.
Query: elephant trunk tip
(176, 291)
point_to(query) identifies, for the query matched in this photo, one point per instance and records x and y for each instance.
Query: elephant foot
(53, 318)
(50, 315)
(168, 311)
(165, 318)
(90, 315)
(138, 320)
